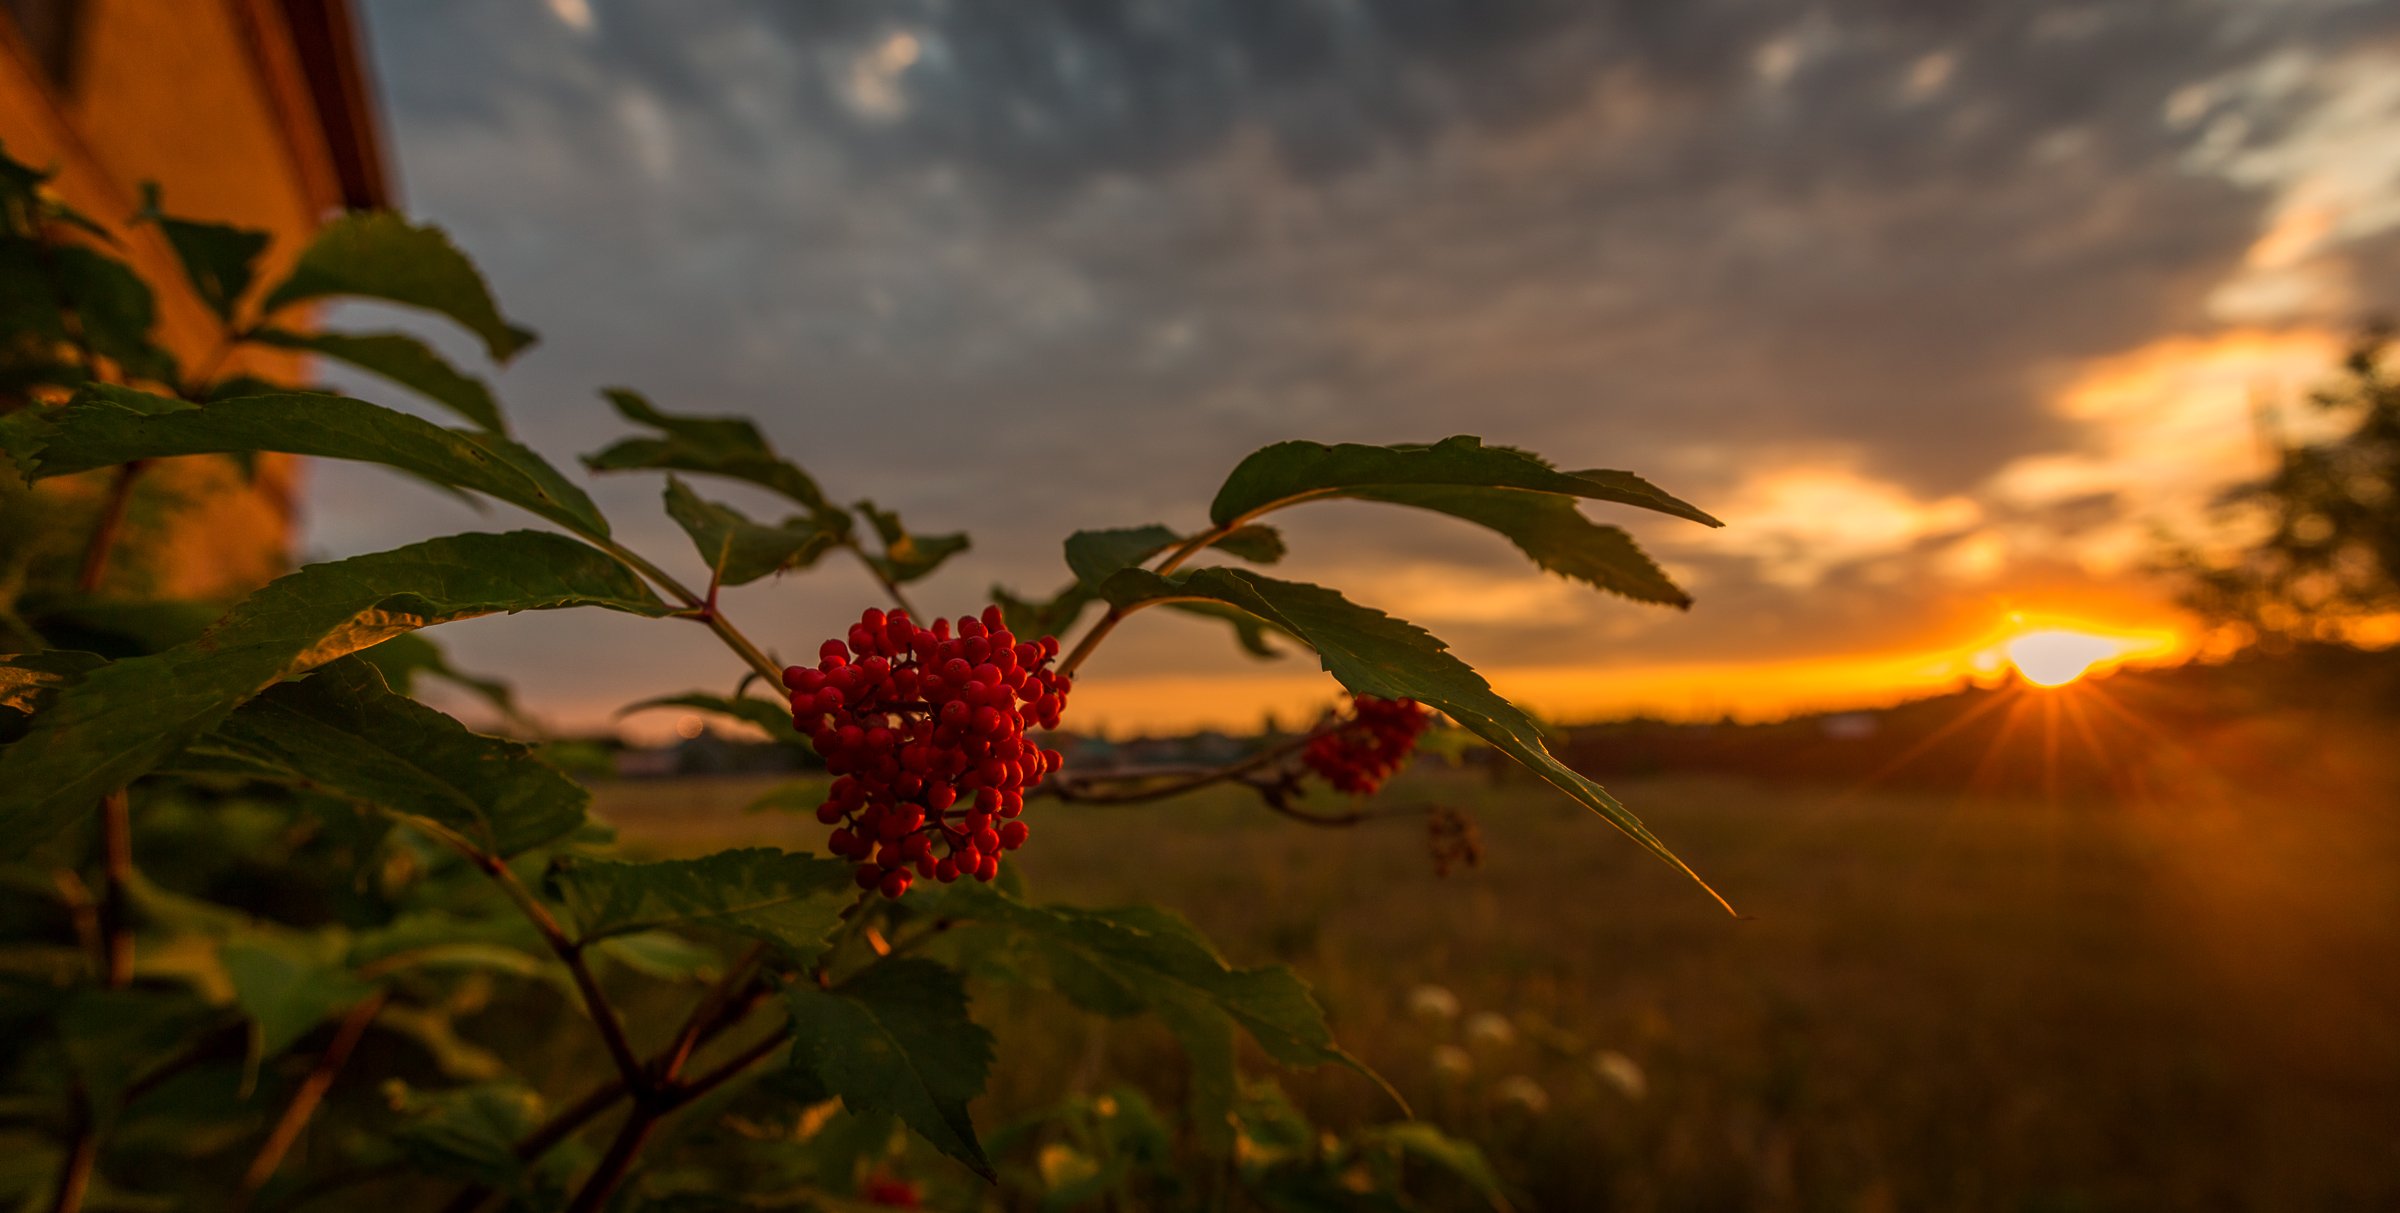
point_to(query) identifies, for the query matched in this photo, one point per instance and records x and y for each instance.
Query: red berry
(1359, 754)
(909, 719)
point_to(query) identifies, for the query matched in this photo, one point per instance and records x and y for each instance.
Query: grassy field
(2185, 999)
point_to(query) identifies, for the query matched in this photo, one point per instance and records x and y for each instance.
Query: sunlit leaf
(343, 732)
(379, 255)
(895, 1038)
(1371, 653)
(791, 899)
(404, 360)
(125, 718)
(738, 550)
(718, 446)
(1291, 472)
(103, 427)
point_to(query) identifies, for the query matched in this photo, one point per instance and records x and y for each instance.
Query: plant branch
(640, 1123)
(669, 1064)
(703, 610)
(311, 1094)
(107, 527)
(599, 1099)
(881, 577)
(603, 1012)
(116, 865)
(83, 1154)
(643, 1120)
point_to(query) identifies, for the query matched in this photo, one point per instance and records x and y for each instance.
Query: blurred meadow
(2166, 984)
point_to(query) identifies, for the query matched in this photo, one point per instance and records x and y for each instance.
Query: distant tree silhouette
(2321, 563)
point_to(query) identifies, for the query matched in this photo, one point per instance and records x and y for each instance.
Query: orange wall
(203, 97)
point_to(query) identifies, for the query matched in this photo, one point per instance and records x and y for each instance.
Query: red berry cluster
(923, 730)
(1357, 755)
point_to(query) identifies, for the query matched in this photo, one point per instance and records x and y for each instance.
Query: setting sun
(2056, 656)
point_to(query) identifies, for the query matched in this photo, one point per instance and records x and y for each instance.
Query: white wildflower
(1621, 1072)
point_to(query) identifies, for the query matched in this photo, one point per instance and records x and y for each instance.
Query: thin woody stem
(603, 1012)
(702, 608)
(311, 1094)
(882, 578)
(106, 529)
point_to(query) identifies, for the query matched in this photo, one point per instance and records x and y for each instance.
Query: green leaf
(1094, 555)
(343, 732)
(1291, 472)
(1422, 1141)
(406, 361)
(718, 446)
(1249, 630)
(113, 308)
(738, 550)
(773, 716)
(288, 984)
(123, 719)
(102, 428)
(908, 557)
(1371, 653)
(1153, 955)
(114, 1038)
(790, 899)
(470, 1132)
(379, 255)
(896, 1038)
(218, 259)
(402, 658)
(1548, 528)
(1255, 543)
(1050, 617)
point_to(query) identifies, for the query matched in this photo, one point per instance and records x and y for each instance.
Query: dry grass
(2187, 1001)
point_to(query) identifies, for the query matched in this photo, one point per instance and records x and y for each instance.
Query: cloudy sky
(1946, 309)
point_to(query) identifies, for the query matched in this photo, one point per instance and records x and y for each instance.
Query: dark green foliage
(377, 255)
(896, 1038)
(2329, 558)
(1371, 653)
(773, 716)
(1289, 472)
(123, 719)
(718, 446)
(404, 360)
(341, 731)
(219, 260)
(787, 899)
(101, 428)
(739, 551)
(906, 556)
(320, 862)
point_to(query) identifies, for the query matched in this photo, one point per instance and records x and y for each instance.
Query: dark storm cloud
(1079, 257)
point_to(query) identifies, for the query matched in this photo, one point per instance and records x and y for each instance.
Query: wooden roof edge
(332, 57)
